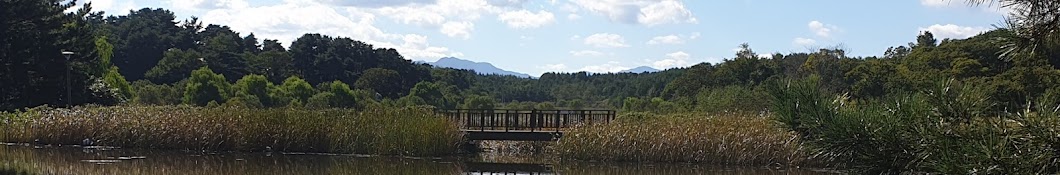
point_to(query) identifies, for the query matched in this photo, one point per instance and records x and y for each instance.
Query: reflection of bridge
(523, 125)
(476, 168)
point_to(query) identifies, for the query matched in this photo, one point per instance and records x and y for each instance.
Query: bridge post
(533, 119)
(610, 116)
(507, 114)
(493, 122)
(558, 123)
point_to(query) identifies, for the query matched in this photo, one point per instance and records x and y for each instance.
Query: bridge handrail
(534, 119)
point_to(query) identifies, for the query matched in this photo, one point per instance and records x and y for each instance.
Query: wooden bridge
(523, 125)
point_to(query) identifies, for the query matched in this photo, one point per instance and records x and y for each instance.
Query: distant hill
(641, 69)
(479, 67)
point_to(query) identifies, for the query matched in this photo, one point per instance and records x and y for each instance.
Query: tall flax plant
(1042, 128)
(867, 139)
(944, 129)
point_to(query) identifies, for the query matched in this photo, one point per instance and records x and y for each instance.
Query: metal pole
(69, 101)
(69, 96)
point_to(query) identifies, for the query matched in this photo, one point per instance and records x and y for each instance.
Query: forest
(923, 97)
(149, 57)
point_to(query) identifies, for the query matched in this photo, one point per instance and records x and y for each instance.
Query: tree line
(149, 57)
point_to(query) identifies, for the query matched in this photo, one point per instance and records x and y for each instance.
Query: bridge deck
(523, 125)
(521, 135)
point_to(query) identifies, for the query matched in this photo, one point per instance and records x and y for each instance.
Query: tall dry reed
(392, 131)
(732, 139)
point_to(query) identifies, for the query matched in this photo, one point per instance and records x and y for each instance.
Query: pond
(102, 160)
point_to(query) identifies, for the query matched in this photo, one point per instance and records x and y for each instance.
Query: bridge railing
(525, 120)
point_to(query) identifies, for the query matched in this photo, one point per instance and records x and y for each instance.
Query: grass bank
(729, 139)
(388, 131)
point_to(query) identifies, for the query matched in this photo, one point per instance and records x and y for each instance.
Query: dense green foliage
(149, 44)
(204, 87)
(931, 105)
(948, 128)
(33, 71)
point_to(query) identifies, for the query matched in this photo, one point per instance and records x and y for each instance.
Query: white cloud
(573, 16)
(575, 37)
(953, 31)
(553, 67)
(821, 29)
(668, 39)
(800, 41)
(584, 53)
(676, 59)
(665, 12)
(606, 40)
(458, 29)
(611, 66)
(454, 18)
(439, 12)
(765, 55)
(645, 12)
(694, 35)
(111, 7)
(291, 19)
(415, 17)
(523, 19)
(376, 3)
(507, 3)
(208, 4)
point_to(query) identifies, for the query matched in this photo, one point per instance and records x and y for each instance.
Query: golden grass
(391, 131)
(730, 139)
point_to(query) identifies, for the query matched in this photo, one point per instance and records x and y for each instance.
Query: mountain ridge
(641, 69)
(479, 67)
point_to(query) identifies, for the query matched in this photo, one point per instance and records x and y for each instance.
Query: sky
(537, 36)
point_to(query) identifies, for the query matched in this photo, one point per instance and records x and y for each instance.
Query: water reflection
(73, 160)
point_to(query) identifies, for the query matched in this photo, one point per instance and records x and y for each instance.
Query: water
(76, 160)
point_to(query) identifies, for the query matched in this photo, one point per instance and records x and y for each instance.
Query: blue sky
(536, 36)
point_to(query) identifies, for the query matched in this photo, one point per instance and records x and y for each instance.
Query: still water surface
(75, 160)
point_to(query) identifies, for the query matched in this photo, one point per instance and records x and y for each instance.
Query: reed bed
(387, 131)
(728, 139)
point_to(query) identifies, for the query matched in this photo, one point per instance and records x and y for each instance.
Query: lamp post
(69, 101)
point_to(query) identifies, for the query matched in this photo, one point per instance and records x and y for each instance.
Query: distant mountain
(641, 69)
(479, 67)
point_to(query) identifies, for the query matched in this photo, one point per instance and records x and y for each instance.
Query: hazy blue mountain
(641, 69)
(480, 67)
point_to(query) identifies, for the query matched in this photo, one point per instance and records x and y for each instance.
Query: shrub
(205, 86)
(114, 80)
(295, 88)
(256, 88)
(320, 100)
(478, 102)
(731, 98)
(157, 94)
